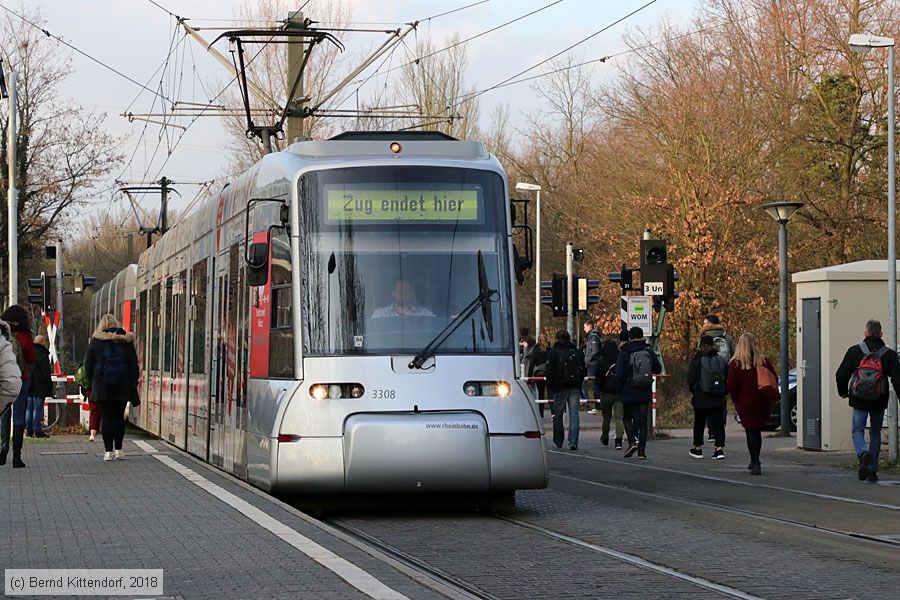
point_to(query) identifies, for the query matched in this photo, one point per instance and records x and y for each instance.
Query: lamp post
(12, 207)
(782, 212)
(863, 42)
(533, 187)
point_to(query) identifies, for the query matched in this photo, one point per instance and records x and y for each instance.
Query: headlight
(335, 391)
(487, 388)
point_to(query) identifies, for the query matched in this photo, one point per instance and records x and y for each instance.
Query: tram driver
(404, 303)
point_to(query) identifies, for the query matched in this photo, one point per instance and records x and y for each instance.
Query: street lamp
(782, 212)
(533, 187)
(12, 204)
(863, 42)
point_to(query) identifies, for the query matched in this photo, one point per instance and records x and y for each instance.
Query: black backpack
(609, 379)
(641, 369)
(570, 371)
(113, 368)
(713, 370)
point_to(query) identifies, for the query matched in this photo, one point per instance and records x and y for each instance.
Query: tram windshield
(392, 257)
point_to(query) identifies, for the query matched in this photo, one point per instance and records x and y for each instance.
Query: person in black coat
(610, 404)
(102, 363)
(863, 409)
(40, 386)
(565, 374)
(708, 405)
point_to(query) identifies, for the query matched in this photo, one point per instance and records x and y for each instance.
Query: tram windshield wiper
(483, 299)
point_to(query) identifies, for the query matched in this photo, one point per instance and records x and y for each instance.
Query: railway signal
(39, 291)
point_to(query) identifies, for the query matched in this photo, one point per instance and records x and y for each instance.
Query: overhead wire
(614, 55)
(82, 52)
(473, 95)
(473, 37)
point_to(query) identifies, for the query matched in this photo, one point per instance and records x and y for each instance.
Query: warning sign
(637, 311)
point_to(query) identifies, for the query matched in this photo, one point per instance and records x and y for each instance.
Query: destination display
(413, 205)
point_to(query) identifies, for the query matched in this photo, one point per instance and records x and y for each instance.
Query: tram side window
(154, 327)
(198, 335)
(281, 336)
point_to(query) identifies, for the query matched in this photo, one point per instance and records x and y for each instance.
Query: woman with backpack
(112, 367)
(707, 376)
(20, 325)
(752, 405)
(610, 404)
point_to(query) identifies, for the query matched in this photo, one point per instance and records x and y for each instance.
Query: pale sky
(133, 36)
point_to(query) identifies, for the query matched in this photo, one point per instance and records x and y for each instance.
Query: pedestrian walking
(863, 377)
(592, 344)
(10, 377)
(39, 387)
(635, 368)
(565, 373)
(707, 375)
(111, 363)
(610, 403)
(752, 405)
(14, 421)
(712, 326)
(537, 367)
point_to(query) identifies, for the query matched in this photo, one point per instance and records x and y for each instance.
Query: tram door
(167, 420)
(239, 322)
(197, 430)
(153, 401)
(178, 375)
(217, 428)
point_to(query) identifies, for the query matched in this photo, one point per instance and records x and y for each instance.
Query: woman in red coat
(752, 407)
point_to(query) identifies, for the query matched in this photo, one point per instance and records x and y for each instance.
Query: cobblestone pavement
(68, 509)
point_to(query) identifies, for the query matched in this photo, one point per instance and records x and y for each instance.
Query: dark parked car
(774, 421)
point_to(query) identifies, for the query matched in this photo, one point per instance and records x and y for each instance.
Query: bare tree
(63, 152)
(433, 84)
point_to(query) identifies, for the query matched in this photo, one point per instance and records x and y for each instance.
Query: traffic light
(625, 278)
(559, 297)
(583, 299)
(41, 291)
(653, 252)
(80, 282)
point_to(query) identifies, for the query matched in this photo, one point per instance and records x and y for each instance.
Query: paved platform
(155, 508)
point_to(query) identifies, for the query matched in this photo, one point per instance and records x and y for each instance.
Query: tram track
(467, 590)
(857, 536)
(457, 587)
(632, 559)
(777, 488)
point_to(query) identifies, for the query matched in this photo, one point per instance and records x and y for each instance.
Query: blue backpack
(113, 368)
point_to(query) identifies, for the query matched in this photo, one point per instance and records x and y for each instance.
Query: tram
(341, 319)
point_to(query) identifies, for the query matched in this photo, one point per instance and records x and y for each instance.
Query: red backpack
(869, 382)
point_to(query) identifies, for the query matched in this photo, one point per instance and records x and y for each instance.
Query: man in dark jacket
(592, 345)
(40, 385)
(868, 409)
(610, 405)
(708, 369)
(712, 326)
(633, 389)
(565, 373)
